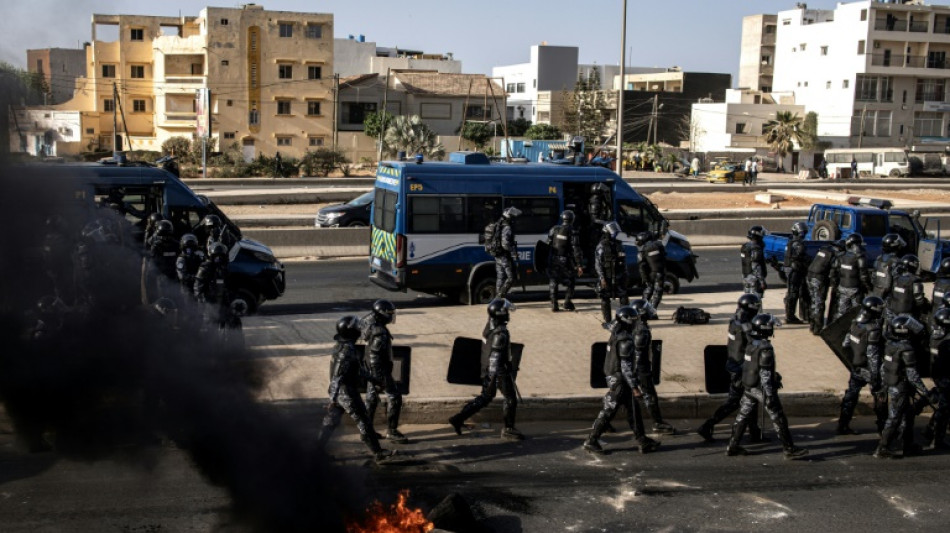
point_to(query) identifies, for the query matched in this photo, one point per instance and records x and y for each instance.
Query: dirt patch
(272, 209)
(717, 200)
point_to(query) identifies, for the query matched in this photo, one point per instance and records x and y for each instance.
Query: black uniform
(159, 266)
(753, 267)
(907, 296)
(506, 261)
(379, 359)
(866, 341)
(735, 348)
(853, 280)
(652, 265)
(900, 377)
(210, 289)
(817, 280)
(186, 267)
(940, 373)
(796, 265)
(563, 262)
(610, 263)
(883, 276)
(643, 369)
(941, 288)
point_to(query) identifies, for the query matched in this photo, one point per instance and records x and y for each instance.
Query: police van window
(873, 225)
(538, 215)
(384, 210)
(481, 211)
(436, 214)
(635, 217)
(903, 226)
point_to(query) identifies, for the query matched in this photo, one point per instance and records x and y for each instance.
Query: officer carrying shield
(651, 262)
(796, 264)
(866, 342)
(610, 263)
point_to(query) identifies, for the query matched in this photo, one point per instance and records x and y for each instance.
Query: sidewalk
(555, 370)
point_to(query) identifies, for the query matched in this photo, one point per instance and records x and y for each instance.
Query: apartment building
(757, 52)
(355, 56)
(874, 72)
(59, 67)
(739, 122)
(269, 74)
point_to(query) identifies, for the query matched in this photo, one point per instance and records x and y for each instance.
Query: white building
(45, 131)
(737, 124)
(874, 72)
(355, 56)
(757, 52)
(551, 68)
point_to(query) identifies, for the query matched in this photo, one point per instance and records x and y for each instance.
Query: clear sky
(697, 35)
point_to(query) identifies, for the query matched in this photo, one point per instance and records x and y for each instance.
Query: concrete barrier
(313, 242)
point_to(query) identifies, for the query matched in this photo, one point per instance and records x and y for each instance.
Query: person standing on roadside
(854, 168)
(747, 178)
(754, 169)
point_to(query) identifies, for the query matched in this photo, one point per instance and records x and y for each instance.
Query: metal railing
(893, 25)
(898, 60)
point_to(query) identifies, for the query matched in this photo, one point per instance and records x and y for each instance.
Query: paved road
(318, 286)
(546, 483)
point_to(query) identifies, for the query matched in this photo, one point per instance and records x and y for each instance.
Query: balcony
(185, 79)
(890, 25)
(179, 119)
(894, 60)
(919, 26)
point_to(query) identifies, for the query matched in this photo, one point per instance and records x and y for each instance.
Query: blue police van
(428, 221)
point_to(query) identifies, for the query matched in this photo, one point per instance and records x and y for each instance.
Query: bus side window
(632, 218)
(538, 215)
(481, 211)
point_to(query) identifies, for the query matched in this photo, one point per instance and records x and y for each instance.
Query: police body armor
(862, 336)
(614, 259)
(759, 354)
(187, 266)
(164, 252)
(849, 271)
(941, 287)
(820, 266)
(655, 254)
(562, 240)
(499, 353)
(643, 341)
(902, 298)
(751, 255)
(735, 348)
(343, 370)
(795, 255)
(379, 350)
(940, 357)
(599, 211)
(898, 355)
(883, 273)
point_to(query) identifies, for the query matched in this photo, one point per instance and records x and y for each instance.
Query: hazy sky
(698, 35)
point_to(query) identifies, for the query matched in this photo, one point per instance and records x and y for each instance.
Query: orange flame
(397, 519)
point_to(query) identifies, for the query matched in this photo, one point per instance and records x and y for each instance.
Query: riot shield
(598, 354)
(834, 333)
(465, 362)
(714, 361)
(541, 253)
(402, 367)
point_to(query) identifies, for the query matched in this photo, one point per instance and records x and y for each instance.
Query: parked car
(352, 214)
(728, 173)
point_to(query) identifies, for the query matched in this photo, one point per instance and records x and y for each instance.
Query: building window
(930, 90)
(860, 47)
(286, 29)
(478, 112)
(873, 89)
(434, 111)
(285, 141)
(802, 46)
(770, 29)
(90, 131)
(138, 106)
(254, 117)
(314, 31)
(224, 22)
(520, 88)
(225, 62)
(766, 88)
(283, 107)
(137, 71)
(928, 124)
(534, 83)
(229, 103)
(108, 105)
(766, 60)
(313, 108)
(864, 14)
(315, 141)
(828, 84)
(806, 84)
(824, 50)
(137, 34)
(353, 113)
(285, 72)
(786, 22)
(314, 72)
(845, 84)
(875, 123)
(108, 71)
(510, 88)
(740, 128)
(229, 135)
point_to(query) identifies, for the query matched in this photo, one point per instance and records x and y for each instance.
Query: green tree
(782, 134)
(376, 122)
(586, 113)
(413, 136)
(479, 133)
(323, 161)
(17, 87)
(518, 127)
(179, 147)
(540, 132)
(810, 131)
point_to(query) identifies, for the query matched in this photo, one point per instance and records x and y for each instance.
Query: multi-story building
(355, 56)
(59, 67)
(269, 74)
(874, 72)
(738, 123)
(551, 68)
(757, 52)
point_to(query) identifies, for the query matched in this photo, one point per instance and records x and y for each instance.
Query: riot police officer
(599, 205)
(506, 262)
(379, 359)
(817, 280)
(610, 263)
(619, 369)
(188, 261)
(212, 231)
(796, 264)
(151, 223)
(900, 376)
(343, 391)
(652, 264)
(643, 365)
(498, 372)
(891, 245)
(936, 430)
(866, 343)
(748, 306)
(761, 382)
(565, 260)
(752, 255)
(941, 285)
(852, 275)
(907, 294)
(210, 288)
(163, 249)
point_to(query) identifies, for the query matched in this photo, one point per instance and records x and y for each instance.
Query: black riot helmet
(164, 228)
(612, 229)
(903, 326)
(219, 253)
(643, 237)
(385, 311)
(645, 309)
(910, 263)
(347, 328)
(763, 326)
(941, 319)
(189, 242)
(567, 217)
(944, 269)
(872, 308)
(211, 221)
(756, 233)
(601, 188)
(627, 316)
(892, 242)
(799, 229)
(154, 218)
(855, 240)
(511, 212)
(500, 309)
(838, 244)
(749, 304)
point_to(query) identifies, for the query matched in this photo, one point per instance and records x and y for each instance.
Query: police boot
(790, 305)
(592, 443)
(927, 434)
(510, 433)
(325, 433)
(788, 447)
(458, 420)
(647, 444)
(393, 434)
(380, 455)
(882, 452)
(659, 426)
(706, 430)
(844, 422)
(568, 295)
(940, 432)
(553, 295)
(605, 311)
(733, 448)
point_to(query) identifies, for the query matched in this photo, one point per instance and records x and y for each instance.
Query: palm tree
(413, 136)
(782, 134)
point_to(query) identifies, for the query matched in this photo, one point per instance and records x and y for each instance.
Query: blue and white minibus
(428, 221)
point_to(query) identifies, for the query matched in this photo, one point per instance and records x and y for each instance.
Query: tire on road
(826, 230)
(483, 291)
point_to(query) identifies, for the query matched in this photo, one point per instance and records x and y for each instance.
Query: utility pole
(382, 117)
(116, 138)
(864, 113)
(656, 117)
(336, 104)
(623, 62)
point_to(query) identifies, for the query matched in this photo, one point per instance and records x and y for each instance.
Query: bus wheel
(671, 284)
(484, 291)
(894, 173)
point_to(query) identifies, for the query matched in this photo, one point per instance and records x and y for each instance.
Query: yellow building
(270, 75)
